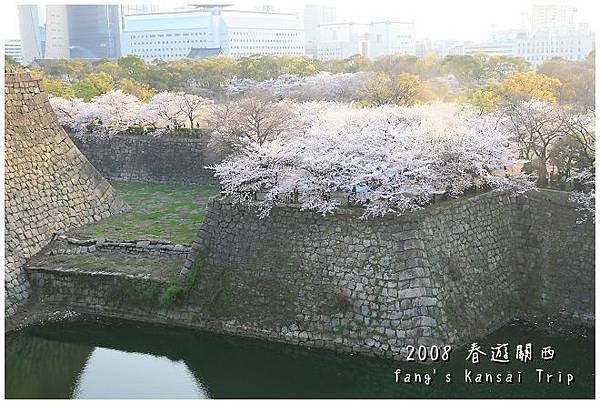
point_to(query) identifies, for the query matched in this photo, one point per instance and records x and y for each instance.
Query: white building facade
(171, 35)
(314, 16)
(548, 16)
(341, 40)
(501, 43)
(57, 32)
(12, 48)
(389, 38)
(570, 44)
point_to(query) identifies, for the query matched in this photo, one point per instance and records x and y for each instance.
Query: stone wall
(470, 259)
(63, 245)
(177, 159)
(50, 185)
(445, 275)
(557, 259)
(448, 274)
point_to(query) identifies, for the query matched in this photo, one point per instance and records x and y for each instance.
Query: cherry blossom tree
(390, 159)
(193, 107)
(252, 121)
(585, 197)
(162, 111)
(114, 111)
(175, 109)
(66, 110)
(536, 124)
(321, 86)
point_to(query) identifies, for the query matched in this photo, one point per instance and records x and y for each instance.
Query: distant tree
(399, 89)
(160, 77)
(485, 99)
(321, 86)
(498, 67)
(518, 86)
(468, 70)
(299, 66)
(110, 67)
(133, 66)
(211, 74)
(428, 67)
(577, 78)
(259, 67)
(93, 85)
(58, 88)
(140, 90)
(395, 64)
(67, 69)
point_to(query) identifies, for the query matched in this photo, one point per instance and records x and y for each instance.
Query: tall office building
(63, 31)
(32, 33)
(172, 35)
(57, 32)
(94, 31)
(314, 16)
(388, 38)
(12, 48)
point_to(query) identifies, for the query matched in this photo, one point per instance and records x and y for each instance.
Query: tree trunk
(542, 180)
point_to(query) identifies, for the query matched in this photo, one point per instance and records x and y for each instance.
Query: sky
(462, 20)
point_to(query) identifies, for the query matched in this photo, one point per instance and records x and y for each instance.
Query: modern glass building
(94, 31)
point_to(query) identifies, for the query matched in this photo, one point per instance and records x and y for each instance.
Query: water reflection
(115, 359)
(109, 373)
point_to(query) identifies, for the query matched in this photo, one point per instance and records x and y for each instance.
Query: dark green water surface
(116, 359)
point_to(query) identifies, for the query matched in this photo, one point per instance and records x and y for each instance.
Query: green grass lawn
(158, 211)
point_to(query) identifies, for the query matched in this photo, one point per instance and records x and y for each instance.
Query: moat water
(115, 359)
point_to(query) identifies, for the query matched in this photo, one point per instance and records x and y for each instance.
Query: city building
(12, 48)
(172, 35)
(63, 31)
(314, 16)
(388, 38)
(491, 48)
(549, 16)
(341, 40)
(32, 32)
(542, 45)
(438, 48)
(203, 53)
(130, 9)
(57, 32)
(501, 43)
(554, 34)
(94, 31)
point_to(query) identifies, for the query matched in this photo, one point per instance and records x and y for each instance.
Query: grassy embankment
(158, 211)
